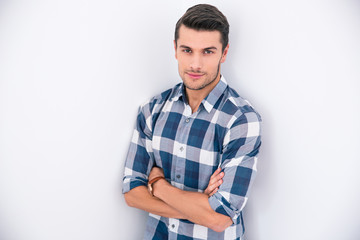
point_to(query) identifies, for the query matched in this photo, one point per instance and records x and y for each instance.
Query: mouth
(194, 75)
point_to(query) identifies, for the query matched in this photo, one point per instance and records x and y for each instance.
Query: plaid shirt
(224, 132)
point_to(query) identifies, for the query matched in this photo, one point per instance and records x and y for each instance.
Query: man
(193, 153)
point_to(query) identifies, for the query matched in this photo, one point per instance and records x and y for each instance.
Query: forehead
(198, 38)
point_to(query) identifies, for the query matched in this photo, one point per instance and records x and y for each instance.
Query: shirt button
(181, 148)
(187, 120)
(178, 176)
(173, 226)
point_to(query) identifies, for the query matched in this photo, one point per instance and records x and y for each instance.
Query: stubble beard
(206, 83)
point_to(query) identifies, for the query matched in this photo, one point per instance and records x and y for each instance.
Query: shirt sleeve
(140, 159)
(238, 161)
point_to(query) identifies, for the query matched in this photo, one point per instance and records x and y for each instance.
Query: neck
(195, 97)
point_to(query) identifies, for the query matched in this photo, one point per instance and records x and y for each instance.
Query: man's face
(199, 55)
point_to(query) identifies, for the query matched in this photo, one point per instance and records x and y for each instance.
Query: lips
(194, 75)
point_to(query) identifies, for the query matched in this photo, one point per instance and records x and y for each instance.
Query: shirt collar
(214, 95)
(209, 101)
(178, 93)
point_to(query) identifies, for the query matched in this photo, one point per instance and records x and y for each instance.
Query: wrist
(152, 182)
(156, 186)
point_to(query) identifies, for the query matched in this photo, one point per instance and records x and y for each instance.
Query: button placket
(180, 168)
(173, 224)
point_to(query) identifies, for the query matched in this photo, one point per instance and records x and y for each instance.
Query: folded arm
(194, 206)
(139, 197)
(218, 206)
(138, 165)
(238, 161)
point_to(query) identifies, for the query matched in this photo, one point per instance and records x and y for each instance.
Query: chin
(194, 87)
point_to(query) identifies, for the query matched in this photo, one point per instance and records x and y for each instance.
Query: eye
(186, 50)
(208, 52)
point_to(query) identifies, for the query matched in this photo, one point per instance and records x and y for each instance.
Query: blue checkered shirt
(224, 132)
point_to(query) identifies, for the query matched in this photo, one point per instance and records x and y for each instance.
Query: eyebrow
(208, 48)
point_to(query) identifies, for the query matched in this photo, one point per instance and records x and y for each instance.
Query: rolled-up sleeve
(238, 161)
(139, 160)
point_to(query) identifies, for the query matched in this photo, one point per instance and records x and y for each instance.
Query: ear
(224, 55)
(175, 49)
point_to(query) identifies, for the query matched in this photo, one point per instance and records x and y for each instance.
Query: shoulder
(155, 103)
(242, 105)
(237, 110)
(235, 104)
(243, 122)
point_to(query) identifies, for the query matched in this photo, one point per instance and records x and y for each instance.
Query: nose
(196, 62)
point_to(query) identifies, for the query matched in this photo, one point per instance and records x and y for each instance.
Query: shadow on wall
(262, 187)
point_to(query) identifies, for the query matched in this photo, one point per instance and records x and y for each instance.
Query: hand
(156, 172)
(214, 183)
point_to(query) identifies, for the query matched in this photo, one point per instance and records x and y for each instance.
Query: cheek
(182, 63)
(212, 64)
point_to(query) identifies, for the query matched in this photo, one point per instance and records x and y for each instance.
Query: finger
(215, 173)
(215, 181)
(213, 186)
(210, 188)
(213, 192)
(216, 178)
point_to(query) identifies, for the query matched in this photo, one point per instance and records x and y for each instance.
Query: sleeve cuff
(216, 202)
(130, 184)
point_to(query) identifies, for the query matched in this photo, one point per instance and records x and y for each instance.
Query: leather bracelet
(151, 182)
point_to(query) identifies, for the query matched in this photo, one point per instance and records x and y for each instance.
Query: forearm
(194, 206)
(140, 198)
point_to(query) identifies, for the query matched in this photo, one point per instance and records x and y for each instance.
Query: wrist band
(154, 180)
(151, 182)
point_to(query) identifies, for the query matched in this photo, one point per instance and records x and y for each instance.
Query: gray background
(73, 73)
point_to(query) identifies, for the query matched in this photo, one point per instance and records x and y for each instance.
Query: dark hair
(205, 17)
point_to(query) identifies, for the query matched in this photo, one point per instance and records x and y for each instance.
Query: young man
(193, 153)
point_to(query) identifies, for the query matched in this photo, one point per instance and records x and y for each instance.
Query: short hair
(205, 17)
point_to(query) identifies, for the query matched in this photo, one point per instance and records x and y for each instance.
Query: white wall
(72, 74)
